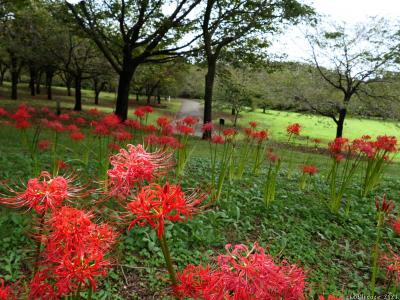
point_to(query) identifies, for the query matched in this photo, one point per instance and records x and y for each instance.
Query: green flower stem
(375, 253)
(168, 259)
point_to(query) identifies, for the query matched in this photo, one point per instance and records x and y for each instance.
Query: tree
(240, 22)
(355, 59)
(235, 90)
(132, 32)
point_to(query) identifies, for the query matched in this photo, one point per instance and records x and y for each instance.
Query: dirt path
(192, 108)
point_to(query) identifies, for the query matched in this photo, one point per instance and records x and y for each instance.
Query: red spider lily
(154, 204)
(309, 169)
(229, 132)
(338, 145)
(384, 205)
(71, 128)
(134, 166)
(5, 293)
(163, 121)
(260, 136)
(147, 109)
(169, 141)
(243, 274)
(80, 121)
(271, 156)
(94, 111)
(167, 129)
(113, 146)
(293, 129)
(111, 120)
(207, 127)
(190, 120)
(63, 117)
(391, 262)
(186, 130)
(22, 113)
(22, 124)
(77, 136)
(122, 135)
(396, 226)
(74, 254)
(139, 112)
(386, 143)
(43, 145)
(42, 193)
(100, 129)
(61, 165)
(132, 123)
(248, 132)
(149, 128)
(330, 297)
(40, 288)
(3, 113)
(365, 147)
(54, 125)
(217, 139)
(253, 124)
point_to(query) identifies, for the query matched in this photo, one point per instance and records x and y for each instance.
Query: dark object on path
(221, 122)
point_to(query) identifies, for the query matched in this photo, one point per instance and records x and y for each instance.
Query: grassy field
(335, 250)
(316, 126)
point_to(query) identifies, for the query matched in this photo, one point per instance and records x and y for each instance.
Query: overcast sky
(349, 11)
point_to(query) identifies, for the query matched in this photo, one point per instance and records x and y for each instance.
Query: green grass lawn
(317, 126)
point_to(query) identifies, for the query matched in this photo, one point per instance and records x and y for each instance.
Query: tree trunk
(233, 111)
(236, 117)
(208, 93)
(78, 93)
(264, 110)
(2, 74)
(124, 84)
(158, 98)
(340, 122)
(38, 82)
(148, 99)
(96, 91)
(14, 77)
(137, 97)
(49, 83)
(32, 80)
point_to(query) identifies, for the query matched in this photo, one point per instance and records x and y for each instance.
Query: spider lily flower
(5, 292)
(74, 255)
(242, 273)
(134, 166)
(154, 204)
(293, 129)
(43, 193)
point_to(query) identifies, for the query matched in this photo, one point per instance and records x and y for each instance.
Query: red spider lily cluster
(154, 204)
(242, 273)
(5, 291)
(271, 156)
(134, 166)
(293, 129)
(74, 254)
(309, 169)
(384, 205)
(338, 146)
(43, 193)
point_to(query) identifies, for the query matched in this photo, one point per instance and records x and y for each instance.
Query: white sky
(293, 42)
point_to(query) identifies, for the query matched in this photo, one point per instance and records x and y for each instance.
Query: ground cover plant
(95, 208)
